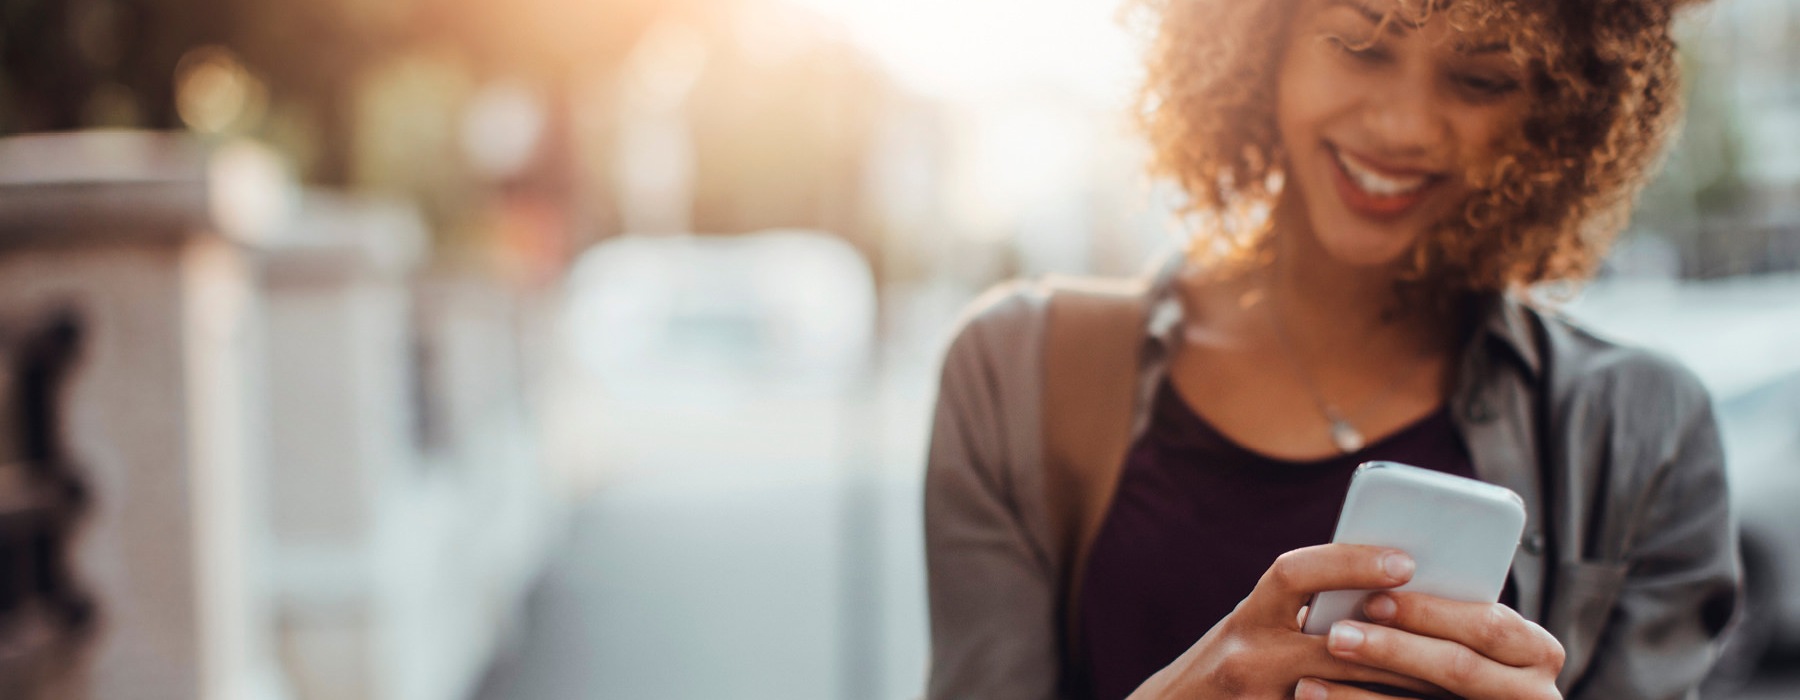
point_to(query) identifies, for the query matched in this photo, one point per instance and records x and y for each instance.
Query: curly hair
(1606, 89)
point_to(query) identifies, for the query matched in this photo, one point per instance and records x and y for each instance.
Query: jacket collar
(1504, 317)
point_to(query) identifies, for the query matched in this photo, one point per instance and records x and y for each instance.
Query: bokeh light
(214, 91)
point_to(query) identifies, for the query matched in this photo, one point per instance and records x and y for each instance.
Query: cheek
(1485, 138)
(1296, 94)
(1312, 90)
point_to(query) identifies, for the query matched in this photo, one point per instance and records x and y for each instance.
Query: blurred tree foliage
(63, 57)
(372, 94)
(77, 63)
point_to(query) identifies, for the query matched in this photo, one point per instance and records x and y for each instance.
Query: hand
(1479, 651)
(1258, 651)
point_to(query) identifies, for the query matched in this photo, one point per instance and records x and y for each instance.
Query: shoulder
(1006, 309)
(1010, 323)
(1001, 327)
(1640, 410)
(1593, 366)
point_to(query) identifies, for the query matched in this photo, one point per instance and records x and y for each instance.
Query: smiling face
(1380, 122)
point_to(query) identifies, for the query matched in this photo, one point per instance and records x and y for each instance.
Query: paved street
(704, 586)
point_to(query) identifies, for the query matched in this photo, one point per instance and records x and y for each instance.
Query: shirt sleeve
(992, 593)
(1682, 574)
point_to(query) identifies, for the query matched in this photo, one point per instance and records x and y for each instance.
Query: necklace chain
(1343, 432)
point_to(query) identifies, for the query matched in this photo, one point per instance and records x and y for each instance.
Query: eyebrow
(1487, 48)
(1374, 16)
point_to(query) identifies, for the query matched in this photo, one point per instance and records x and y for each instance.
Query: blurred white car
(700, 348)
(1742, 337)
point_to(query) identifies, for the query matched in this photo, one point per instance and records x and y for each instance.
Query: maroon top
(1196, 521)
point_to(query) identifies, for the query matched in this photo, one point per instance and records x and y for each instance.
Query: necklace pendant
(1346, 436)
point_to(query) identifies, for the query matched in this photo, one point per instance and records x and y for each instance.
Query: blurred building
(1728, 201)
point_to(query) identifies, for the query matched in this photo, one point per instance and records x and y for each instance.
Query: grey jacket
(1629, 554)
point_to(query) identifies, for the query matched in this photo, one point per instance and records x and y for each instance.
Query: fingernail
(1345, 637)
(1309, 689)
(1380, 608)
(1397, 565)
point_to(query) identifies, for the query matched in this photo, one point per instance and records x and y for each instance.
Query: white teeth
(1377, 184)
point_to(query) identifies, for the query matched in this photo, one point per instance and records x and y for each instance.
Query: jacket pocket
(1584, 597)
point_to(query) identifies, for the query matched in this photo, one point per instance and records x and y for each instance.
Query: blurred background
(434, 349)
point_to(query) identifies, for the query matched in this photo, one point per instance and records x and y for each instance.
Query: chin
(1362, 244)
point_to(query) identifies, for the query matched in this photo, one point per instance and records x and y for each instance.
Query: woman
(1375, 180)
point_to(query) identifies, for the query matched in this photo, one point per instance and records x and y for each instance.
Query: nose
(1404, 117)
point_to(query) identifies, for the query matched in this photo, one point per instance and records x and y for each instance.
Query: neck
(1329, 303)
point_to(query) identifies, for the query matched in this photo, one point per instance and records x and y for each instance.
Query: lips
(1378, 192)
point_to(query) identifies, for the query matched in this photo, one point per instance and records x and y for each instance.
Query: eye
(1486, 86)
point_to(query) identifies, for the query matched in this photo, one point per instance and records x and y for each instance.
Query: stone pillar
(345, 434)
(138, 240)
(409, 506)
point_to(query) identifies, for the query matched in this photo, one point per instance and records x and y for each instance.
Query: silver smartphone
(1460, 532)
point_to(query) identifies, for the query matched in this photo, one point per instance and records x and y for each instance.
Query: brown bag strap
(1093, 338)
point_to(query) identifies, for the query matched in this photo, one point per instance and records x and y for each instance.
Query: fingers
(1448, 664)
(1493, 630)
(1313, 659)
(1295, 576)
(1317, 689)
